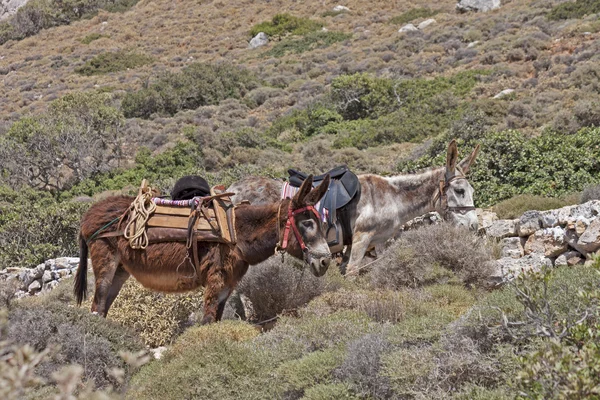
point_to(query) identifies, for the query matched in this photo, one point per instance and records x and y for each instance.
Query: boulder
(503, 228)
(511, 247)
(590, 240)
(260, 39)
(408, 28)
(486, 218)
(508, 268)
(10, 7)
(530, 222)
(503, 93)
(47, 277)
(49, 286)
(549, 219)
(34, 287)
(569, 258)
(550, 242)
(339, 8)
(477, 5)
(426, 23)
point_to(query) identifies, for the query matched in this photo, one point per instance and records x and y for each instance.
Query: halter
(291, 223)
(442, 197)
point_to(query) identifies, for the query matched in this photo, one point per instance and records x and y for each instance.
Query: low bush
(362, 96)
(590, 193)
(308, 42)
(434, 254)
(284, 24)
(113, 62)
(92, 37)
(196, 85)
(515, 207)
(274, 287)
(85, 339)
(413, 14)
(157, 318)
(574, 9)
(43, 14)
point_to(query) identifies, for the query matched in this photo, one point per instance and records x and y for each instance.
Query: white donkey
(387, 203)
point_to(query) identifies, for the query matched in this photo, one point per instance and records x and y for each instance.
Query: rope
(139, 212)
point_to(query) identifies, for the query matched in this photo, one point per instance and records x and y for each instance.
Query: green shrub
(413, 14)
(313, 369)
(574, 9)
(510, 163)
(158, 318)
(362, 96)
(283, 24)
(113, 62)
(515, 207)
(34, 227)
(332, 391)
(91, 37)
(308, 122)
(196, 85)
(308, 42)
(43, 14)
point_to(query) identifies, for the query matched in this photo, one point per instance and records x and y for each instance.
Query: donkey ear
(465, 164)
(299, 198)
(317, 193)
(451, 157)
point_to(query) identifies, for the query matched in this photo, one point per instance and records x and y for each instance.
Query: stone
(529, 223)
(569, 258)
(49, 286)
(408, 28)
(34, 287)
(472, 44)
(339, 8)
(430, 218)
(426, 23)
(550, 242)
(477, 5)
(508, 268)
(572, 239)
(61, 263)
(157, 352)
(581, 224)
(549, 218)
(503, 93)
(260, 39)
(10, 7)
(511, 247)
(486, 218)
(47, 277)
(590, 240)
(503, 228)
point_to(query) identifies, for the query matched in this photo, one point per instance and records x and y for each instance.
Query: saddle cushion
(190, 186)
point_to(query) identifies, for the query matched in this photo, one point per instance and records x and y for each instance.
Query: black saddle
(190, 186)
(343, 188)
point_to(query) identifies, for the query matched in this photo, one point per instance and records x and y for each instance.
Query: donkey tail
(80, 289)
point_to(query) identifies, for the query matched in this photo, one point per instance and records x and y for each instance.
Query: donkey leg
(345, 259)
(215, 296)
(105, 265)
(119, 279)
(360, 244)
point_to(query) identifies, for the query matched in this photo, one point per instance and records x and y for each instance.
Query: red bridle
(291, 222)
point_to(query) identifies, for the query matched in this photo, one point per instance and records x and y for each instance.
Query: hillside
(97, 96)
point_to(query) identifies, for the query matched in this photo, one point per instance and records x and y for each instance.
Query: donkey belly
(163, 267)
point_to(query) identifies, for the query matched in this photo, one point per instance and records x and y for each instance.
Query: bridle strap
(291, 223)
(441, 194)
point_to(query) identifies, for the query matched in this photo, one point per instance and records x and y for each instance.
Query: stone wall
(44, 277)
(561, 237)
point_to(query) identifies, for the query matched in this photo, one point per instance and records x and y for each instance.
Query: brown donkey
(166, 267)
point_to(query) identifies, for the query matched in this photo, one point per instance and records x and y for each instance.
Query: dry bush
(434, 254)
(274, 287)
(157, 317)
(590, 193)
(516, 206)
(362, 365)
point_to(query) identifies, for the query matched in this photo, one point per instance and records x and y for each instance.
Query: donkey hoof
(95, 313)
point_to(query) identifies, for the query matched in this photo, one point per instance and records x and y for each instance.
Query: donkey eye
(460, 191)
(307, 224)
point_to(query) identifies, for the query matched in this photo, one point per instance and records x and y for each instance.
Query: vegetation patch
(574, 9)
(308, 42)
(113, 62)
(413, 14)
(196, 85)
(43, 14)
(92, 37)
(515, 207)
(286, 24)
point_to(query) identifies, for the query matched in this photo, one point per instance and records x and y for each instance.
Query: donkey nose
(325, 262)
